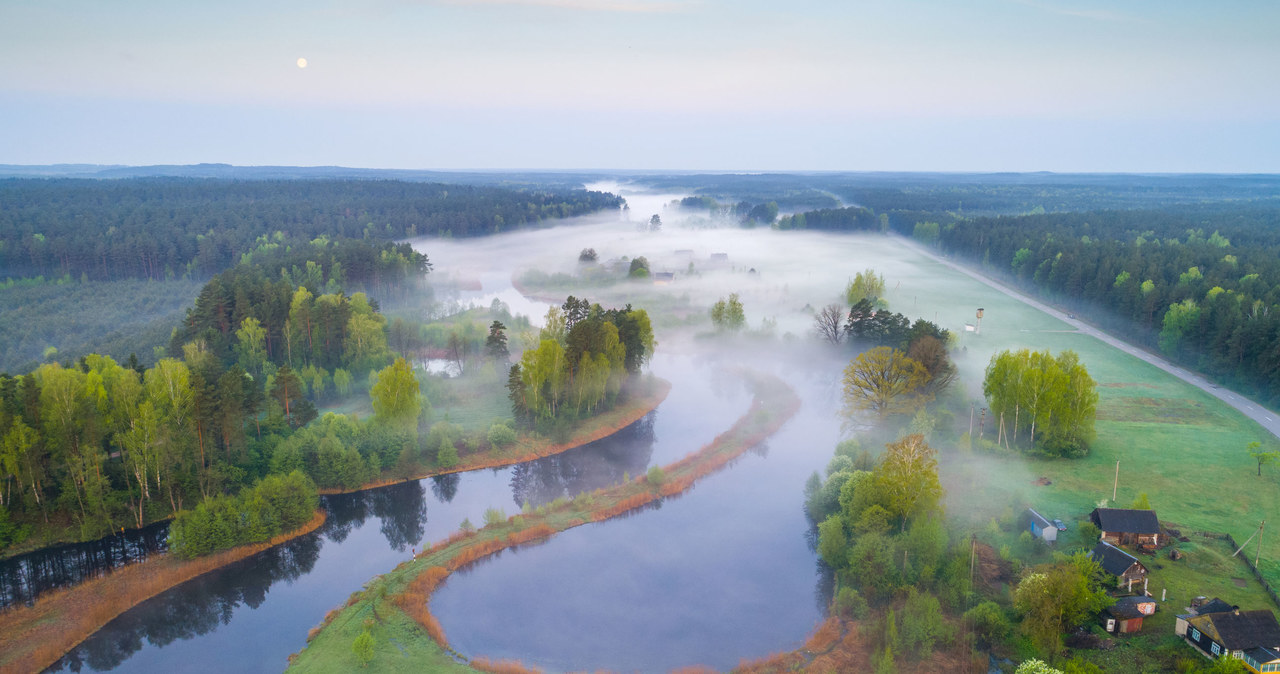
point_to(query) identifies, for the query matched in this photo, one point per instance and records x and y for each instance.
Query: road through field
(1266, 418)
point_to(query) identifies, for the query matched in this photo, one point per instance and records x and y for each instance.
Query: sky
(715, 85)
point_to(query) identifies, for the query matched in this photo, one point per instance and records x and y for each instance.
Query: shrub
(656, 476)
(447, 455)
(989, 621)
(501, 435)
(363, 648)
(494, 516)
(850, 604)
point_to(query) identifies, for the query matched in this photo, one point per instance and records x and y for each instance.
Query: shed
(1125, 616)
(1124, 566)
(1125, 526)
(1041, 527)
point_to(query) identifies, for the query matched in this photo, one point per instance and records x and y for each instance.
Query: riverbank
(644, 399)
(395, 607)
(32, 638)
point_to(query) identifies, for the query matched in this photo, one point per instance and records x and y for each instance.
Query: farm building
(1253, 637)
(1120, 564)
(663, 278)
(1123, 526)
(1125, 616)
(1200, 606)
(1041, 527)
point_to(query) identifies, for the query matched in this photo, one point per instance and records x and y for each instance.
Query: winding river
(723, 573)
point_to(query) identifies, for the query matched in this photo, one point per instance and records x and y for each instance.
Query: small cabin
(663, 278)
(1041, 527)
(1124, 566)
(1126, 526)
(1125, 616)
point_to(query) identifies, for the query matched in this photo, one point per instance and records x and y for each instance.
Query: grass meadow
(1181, 446)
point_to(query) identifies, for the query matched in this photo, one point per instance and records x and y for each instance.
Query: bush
(277, 504)
(850, 604)
(447, 455)
(989, 621)
(922, 624)
(501, 435)
(363, 648)
(832, 542)
(494, 516)
(656, 476)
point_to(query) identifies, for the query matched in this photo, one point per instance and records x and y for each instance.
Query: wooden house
(1041, 527)
(1125, 616)
(1124, 566)
(1124, 526)
(1253, 637)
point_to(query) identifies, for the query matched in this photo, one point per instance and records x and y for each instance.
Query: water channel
(722, 573)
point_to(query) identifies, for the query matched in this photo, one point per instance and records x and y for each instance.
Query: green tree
(396, 397)
(362, 647)
(832, 542)
(865, 285)
(883, 380)
(1035, 394)
(1058, 597)
(1141, 503)
(922, 624)
(251, 350)
(1034, 666)
(495, 345)
(907, 478)
(1262, 456)
(1180, 319)
(728, 314)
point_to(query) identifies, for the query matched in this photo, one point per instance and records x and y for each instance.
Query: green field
(1184, 448)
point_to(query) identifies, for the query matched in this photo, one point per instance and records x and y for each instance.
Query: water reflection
(25, 577)
(226, 614)
(200, 607)
(602, 463)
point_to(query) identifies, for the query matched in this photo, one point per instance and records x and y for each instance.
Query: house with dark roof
(1041, 527)
(1125, 616)
(1253, 637)
(663, 278)
(1124, 566)
(1124, 526)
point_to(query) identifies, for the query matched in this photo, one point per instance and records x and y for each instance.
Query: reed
(35, 636)
(502, 666)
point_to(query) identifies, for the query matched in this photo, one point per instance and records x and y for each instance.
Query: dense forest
(160, 228)
(1201, 283)
(101, 444)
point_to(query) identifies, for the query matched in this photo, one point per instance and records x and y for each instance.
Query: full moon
(302, 63)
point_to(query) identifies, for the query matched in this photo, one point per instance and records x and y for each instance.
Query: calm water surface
(250, 616)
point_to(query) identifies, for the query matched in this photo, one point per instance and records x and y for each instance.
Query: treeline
(852, 219)
(585, 354)
(98, 444)
(277, 504)
(288, 309)
(158, 228)
(1201, 283)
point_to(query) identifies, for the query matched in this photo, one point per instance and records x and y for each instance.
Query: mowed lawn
(1184, 448)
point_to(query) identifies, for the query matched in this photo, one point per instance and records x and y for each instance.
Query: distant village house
(1124, 566)
(1123, 526)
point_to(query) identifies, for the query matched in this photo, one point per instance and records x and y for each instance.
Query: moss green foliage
(1056, 598)
(501, 435)
(584, 356)
(362, 648)
(923, 626)
(395, 397)
(728, 315)
(989, 621)
(277, 504)
(655, 476)
(850, 604)
(1046, 403)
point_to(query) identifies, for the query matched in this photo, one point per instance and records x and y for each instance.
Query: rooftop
(1126, 521)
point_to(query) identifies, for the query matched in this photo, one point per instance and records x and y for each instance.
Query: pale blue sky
(983, 85)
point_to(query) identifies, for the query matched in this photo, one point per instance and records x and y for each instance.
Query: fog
(782, 278)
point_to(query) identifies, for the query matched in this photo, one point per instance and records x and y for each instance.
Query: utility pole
(1258, 555)
(1116, 485)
